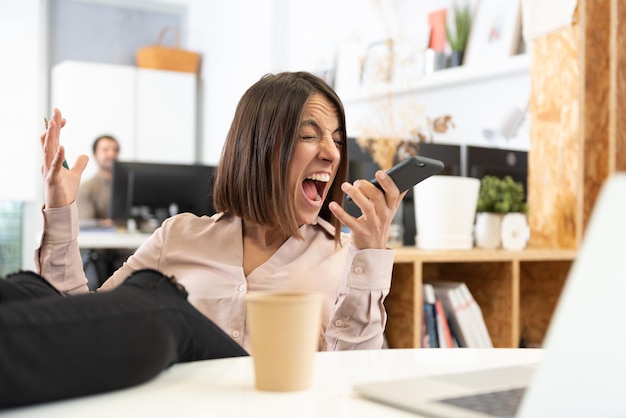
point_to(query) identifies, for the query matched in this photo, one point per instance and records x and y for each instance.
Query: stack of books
(452, 318)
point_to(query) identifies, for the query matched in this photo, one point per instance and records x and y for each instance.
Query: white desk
(225, 388)
(110, 239)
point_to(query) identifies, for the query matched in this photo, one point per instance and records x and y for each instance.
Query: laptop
(583, 370)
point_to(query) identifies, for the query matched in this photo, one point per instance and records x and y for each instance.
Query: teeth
(325, 177)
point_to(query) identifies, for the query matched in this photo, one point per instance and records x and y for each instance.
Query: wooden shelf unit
(516, 290)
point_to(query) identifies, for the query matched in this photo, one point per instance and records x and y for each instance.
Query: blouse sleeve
(58, 258)
(359, 318)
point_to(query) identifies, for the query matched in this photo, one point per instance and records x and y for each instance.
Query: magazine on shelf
(436, 321)
(482, 333)
(465, 317)
(430, 317)
(443, 328)
(457, 314)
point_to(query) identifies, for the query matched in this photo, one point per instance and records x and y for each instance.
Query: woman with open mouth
(279, 192)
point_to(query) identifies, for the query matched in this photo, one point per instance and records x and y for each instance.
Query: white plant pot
(487, 230)
(515, 231)
(445, 207)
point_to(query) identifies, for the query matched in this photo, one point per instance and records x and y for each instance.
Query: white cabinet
(165, 125)
(152, 113)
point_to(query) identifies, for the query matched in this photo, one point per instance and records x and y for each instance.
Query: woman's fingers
(50, 139)
(378, 208)
(80, 164)
(391, 191)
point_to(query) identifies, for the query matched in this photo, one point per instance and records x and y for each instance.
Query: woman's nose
(328, 149)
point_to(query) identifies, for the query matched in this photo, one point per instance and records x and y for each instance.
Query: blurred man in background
(94, 197)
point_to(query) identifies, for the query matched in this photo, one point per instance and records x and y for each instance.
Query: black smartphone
(407, 173)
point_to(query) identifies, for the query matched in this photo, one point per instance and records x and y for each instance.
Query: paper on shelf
(540, 17)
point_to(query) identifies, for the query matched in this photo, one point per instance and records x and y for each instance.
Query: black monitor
(450, 154)
(157, 188)
(499, 162)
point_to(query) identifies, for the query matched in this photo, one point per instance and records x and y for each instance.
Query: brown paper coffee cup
(284, 329)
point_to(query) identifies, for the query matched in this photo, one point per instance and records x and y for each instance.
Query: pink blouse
(205, 255)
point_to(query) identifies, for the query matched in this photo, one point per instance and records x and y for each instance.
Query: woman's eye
(308, 137)
(339, 142)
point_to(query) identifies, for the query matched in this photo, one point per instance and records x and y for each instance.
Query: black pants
(54, 347)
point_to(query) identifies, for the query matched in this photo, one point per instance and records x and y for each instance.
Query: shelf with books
(460, 313)
(517, 291)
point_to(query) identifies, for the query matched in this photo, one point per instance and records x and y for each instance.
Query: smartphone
(407, 173)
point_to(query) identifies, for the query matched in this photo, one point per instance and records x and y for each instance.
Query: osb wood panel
(492, 287)
(541, 284)
(596, 104)
(554, 164)
(578, 121)
(619, 92)
(403, 320)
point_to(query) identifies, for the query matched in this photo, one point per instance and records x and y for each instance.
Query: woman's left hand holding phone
(378, 207)
(60, 184)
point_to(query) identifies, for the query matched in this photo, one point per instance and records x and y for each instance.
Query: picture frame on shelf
(348, 70)
(495, 32)
(377, 65)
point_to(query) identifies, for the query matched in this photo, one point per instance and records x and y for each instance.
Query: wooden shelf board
(413, 254)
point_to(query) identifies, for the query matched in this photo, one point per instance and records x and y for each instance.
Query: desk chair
(100, 264)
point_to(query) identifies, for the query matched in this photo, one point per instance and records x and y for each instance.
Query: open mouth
(314, 186)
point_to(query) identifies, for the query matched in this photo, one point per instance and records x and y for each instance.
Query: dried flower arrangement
(387, 150)
(392, 133)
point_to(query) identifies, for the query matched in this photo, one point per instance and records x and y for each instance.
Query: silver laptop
(583, 370)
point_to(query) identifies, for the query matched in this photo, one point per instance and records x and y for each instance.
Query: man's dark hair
(94, 147)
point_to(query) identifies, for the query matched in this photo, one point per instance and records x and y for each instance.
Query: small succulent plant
(501, 195)
(457, 36)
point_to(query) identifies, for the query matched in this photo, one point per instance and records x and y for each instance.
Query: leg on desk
(62, 347)
(24, 286)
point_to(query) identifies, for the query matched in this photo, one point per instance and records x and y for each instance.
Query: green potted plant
(459, 33)
(501, 214)
(501, 195)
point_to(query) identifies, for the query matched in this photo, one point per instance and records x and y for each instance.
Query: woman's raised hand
(371, 229)
(60, 183)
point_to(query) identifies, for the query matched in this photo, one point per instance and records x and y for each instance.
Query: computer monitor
(361, 165)
(158, 188)
(499, 162)
(450, 154)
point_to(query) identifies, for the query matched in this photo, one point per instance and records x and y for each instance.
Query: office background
(239, 41)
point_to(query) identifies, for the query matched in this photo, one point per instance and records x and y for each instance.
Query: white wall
(347, 27)
(236, 40)
(22, 100)
(242, 39)
(22, 108)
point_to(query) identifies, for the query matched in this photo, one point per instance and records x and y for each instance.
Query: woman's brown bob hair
(251, 180)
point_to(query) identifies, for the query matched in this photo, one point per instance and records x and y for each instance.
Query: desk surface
(225, 388)
(111, 239)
